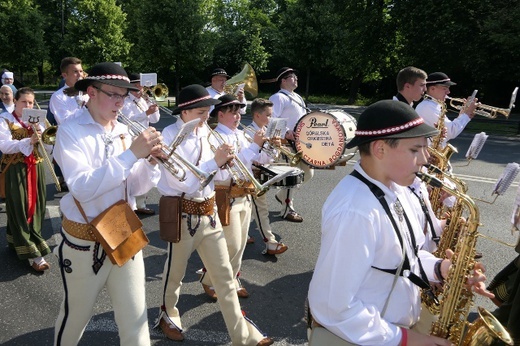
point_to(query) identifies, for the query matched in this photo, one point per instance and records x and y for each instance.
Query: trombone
(485, 110)
(271, 150)
(238, 170)
(171, 164)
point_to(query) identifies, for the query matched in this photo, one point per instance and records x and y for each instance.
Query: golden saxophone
(440, 156)
(457, 298)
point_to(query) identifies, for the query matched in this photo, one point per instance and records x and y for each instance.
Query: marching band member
(236, 231)
(438, 87)
(200, 226)
(61, 105)
(411, 85)
(137, 109)
(8, 79)
(101, 165)
(219, 78)
(25, 187)
(6, 95)
(288, 104)
(262, 110)
(351, 297)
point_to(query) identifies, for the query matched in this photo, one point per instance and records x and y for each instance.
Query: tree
(171, 37)
(94, 31)
(21, 24)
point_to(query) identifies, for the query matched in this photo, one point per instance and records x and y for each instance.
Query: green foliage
(21, 25)
(95, 31)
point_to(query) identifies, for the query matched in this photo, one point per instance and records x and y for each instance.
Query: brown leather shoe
(293, 216)
(144, 211)
(210, 291)
(170, 331)
(242, 293)
(265, 342)
(280, 248)
(43, 266)
(478, 255)
(250, 240)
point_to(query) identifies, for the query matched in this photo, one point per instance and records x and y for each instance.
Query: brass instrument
(457, 298)
(44, 154)
(171, 164)
(440, 156)
(271, 150)
(248, 77)
(157, 93)
(238, 170)
(485, 110)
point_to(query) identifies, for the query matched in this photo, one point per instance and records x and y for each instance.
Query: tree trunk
(307, 82)
(41, 79)
(354, 87)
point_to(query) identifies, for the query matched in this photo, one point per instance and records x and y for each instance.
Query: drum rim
(342, 129)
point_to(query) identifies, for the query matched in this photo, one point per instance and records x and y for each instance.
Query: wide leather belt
(237, 191)
(78, 230)
(198, 208)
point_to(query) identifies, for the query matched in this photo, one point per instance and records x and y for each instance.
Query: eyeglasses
(291, 76)
(113, 96)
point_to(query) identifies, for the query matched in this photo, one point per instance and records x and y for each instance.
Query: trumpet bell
(160, 92)
(248, 77)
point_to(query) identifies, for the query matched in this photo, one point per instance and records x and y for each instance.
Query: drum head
(322, 136)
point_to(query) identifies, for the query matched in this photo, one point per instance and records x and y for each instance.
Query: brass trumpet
(271, 150)
(485, 110)
(238, 170)
(171, 164)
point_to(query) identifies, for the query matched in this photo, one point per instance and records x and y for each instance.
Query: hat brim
(220, 74)
(422, 130)
(200, 104)
(447, 83)
(83, 84)
(214, 112)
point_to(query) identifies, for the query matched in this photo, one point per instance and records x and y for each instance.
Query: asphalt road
(278, 285)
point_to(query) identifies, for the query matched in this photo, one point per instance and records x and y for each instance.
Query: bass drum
(322, 137)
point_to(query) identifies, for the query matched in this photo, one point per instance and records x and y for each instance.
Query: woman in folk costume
(24, 183)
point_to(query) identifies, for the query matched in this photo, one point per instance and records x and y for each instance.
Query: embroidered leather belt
(237, 191)
(198, 208)
(78, 230)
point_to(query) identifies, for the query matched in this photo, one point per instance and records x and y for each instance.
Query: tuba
(247, 77)
(456, 298)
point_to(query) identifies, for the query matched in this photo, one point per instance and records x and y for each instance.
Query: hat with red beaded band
(193, 96)
(106, 73)
(389, 119)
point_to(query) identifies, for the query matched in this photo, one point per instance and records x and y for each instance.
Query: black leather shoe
(293, 216)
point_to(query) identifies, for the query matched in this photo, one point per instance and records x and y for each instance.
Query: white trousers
(211, 246)
(236, 234)
(125, 286)
(260, 214)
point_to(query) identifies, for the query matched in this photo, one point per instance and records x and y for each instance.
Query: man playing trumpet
(137, 109)
(438, 87)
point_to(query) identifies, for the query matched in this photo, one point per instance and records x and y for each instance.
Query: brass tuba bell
(246, 76)
(159, 92)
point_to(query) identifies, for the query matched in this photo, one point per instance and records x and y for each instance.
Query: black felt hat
(439, 78)
(193, 96)
(226, 100)
(219, 72)
(134, 77)
(106, 73)
(389, 119)
(283, 72)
